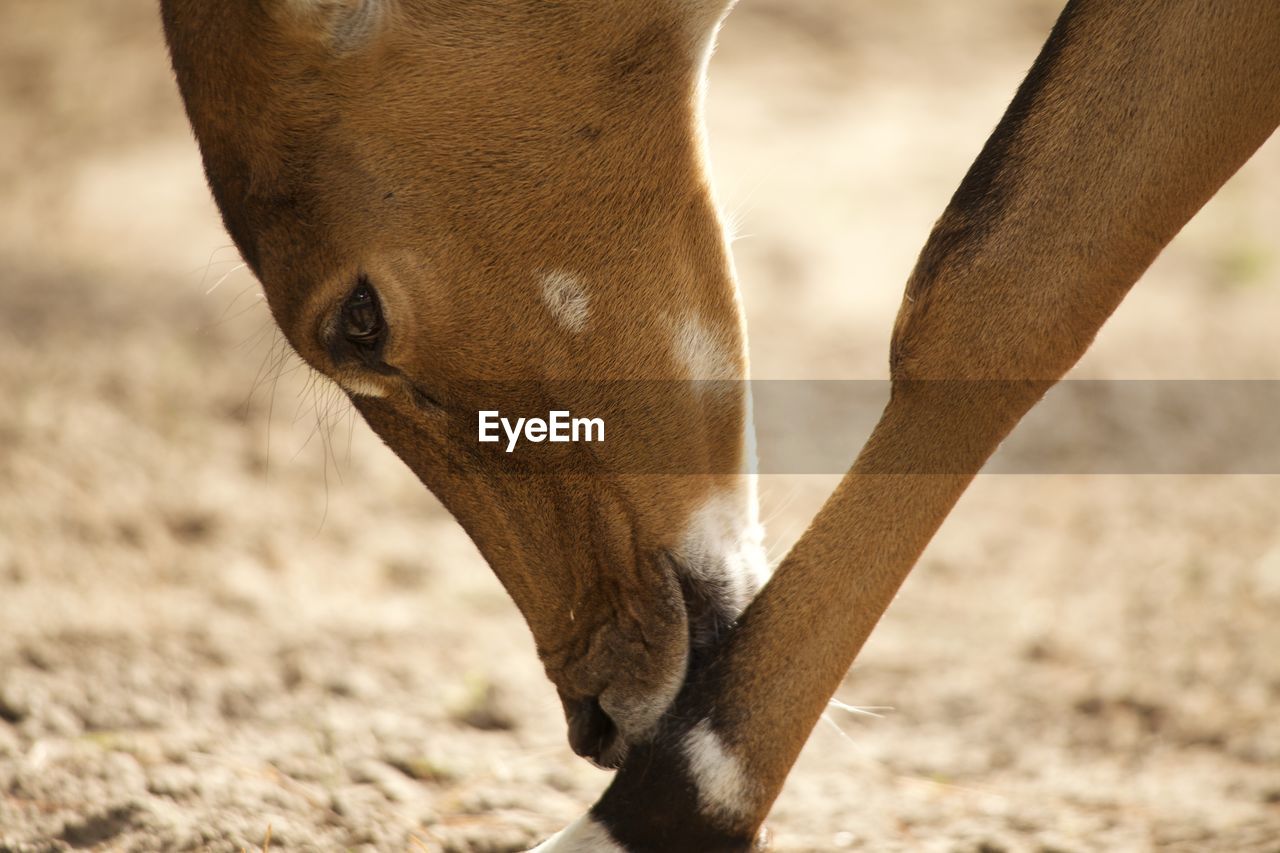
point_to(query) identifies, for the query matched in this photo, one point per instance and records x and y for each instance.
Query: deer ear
(341, 24)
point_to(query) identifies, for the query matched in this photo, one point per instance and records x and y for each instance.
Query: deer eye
(362, 322)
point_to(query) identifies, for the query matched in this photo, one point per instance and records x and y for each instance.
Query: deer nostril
(592, 733)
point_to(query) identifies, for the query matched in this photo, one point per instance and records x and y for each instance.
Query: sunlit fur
(722, 785)
(1132, 117)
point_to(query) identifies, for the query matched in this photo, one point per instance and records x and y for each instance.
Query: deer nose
(593, 733)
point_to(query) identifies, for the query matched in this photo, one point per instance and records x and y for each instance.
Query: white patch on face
(724, 544)
(704, 355)
(722, 785)
(584, 835)
(567, 300)
(360, 386)
(345, 23)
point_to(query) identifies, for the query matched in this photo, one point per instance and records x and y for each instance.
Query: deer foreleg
(1131, 118)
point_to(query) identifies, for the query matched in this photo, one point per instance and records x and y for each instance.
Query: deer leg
(1133, 115)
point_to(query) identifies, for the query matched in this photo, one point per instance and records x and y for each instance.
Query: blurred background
(226, 610)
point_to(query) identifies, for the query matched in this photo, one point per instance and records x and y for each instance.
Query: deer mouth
(593, 734)
(603, 738)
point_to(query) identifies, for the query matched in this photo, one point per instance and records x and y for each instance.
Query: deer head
(442, 199)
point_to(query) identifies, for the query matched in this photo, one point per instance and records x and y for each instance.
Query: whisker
(252, 306)
(826, 718)
(864, 711)
(734, 218)
(316, 397)
(298, 452)
(271, 405)
(253, 340)
(204, 274)
(783, 507)
(333, 398)
(303, 397)
(223, 318)
(229, 273)
(351, 429)
(782, 545)
(263, 370)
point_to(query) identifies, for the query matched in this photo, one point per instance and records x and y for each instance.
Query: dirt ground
(227, 612)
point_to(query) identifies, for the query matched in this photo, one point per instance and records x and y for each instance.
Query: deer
(439, 196)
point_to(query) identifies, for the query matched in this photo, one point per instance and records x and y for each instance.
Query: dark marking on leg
(979, 202)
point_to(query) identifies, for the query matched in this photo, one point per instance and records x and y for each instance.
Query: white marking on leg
(722, 786)
(582, 836)
(567, 300)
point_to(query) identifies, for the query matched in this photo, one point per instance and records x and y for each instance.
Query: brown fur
(453, 152)
(1133, 117)
(450, 151)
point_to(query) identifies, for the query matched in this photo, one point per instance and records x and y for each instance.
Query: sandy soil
(227, 611)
